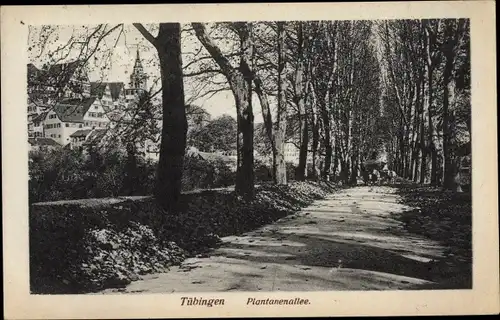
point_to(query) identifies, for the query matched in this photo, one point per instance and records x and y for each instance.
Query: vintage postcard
(244, 160)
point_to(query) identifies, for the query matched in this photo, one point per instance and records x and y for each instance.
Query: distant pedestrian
(392, 176)
(375, 176)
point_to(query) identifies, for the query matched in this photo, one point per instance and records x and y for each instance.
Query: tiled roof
(81, 133)
(98, 88)
(43, 142)
(95, 135)
(40, 117)
(73, 110)
(115, 88)
(59, 73)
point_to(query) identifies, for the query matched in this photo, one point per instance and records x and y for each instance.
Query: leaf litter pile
(77, 247)
(446, 217)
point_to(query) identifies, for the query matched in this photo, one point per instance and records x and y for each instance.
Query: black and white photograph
(249, 156)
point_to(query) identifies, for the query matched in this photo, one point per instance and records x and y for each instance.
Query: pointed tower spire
(138, 64)
(138, 77)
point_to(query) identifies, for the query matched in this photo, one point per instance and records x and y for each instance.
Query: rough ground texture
(363, 238)
(87, 245)
(445, 217)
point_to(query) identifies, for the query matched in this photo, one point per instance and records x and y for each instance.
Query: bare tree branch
(145, 33)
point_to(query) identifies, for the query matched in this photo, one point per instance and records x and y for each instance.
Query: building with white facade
(62, 101)
(69, 116)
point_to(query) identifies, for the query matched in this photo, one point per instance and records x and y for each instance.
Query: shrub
(290, 171)
(262, 171)
(67, 174)
(205, 174)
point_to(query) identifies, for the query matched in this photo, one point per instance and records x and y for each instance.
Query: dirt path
(345, 242)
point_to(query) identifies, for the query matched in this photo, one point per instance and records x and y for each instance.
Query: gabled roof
(40, 117)
(59, 73)
(80, 133)
(73, 110)
(43, 142)
(116, 88)
(98, 88)
(95, 136)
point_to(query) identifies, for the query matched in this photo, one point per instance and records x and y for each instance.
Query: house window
(67, 125)
(80, 125)
(59, 136)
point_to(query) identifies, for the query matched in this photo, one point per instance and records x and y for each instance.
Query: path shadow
(370, 240)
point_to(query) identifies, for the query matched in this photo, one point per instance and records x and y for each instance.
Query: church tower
(138, 78)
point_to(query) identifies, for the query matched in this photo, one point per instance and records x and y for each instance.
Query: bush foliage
(68, 174)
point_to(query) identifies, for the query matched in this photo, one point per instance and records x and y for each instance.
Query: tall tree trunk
(174, 129)
(354, 168)
(304, 144)
(448, 173)
(299, 98)
(431, 139)
(243, 98)
(268, 122)
(448, 89)
(335, 156)
(314, 147)
(432, 59)
(280, 165)
(416, 141)
(327, 141)
(240, 80)
(423, 147)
